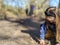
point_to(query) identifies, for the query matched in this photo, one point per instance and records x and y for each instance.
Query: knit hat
(50, 12)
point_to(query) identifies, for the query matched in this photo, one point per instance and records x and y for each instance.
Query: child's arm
(42, 34)
(42, 31)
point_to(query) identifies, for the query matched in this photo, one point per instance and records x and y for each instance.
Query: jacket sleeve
(42, 31)
(53, 3)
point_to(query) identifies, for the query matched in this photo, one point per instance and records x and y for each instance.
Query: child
(48, 28)
(49, 22)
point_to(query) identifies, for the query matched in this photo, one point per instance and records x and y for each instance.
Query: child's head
(50, 15)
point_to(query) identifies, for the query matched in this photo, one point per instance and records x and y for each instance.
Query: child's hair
(50, 13)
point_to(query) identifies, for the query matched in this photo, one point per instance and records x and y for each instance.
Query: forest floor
(23, 32)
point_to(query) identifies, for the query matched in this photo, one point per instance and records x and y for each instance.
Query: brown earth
(14, 33)
(23, 32)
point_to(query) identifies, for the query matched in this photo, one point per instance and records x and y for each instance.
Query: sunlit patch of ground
(10, 34)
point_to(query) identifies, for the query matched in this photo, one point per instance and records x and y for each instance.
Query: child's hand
(42, 42)
(57, 44)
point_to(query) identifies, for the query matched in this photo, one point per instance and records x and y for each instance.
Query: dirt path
(12, 33)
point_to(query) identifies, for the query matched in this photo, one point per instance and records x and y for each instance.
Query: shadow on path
(33, 28)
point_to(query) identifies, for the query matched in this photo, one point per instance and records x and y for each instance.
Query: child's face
(50, 19)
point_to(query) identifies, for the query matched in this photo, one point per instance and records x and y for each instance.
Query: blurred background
(18, 8)
(20, 21)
